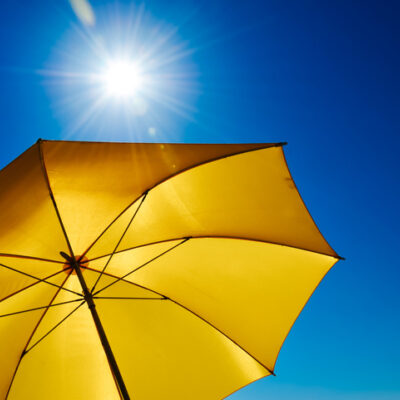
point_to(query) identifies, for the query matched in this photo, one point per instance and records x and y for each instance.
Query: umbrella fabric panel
(29, 223)
(249, 195)
(94, 182)
(68, 364)
(249, 290)
(165, 352)
(16, 330)
(14, 273)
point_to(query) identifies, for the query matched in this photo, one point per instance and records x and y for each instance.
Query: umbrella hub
(82, 262)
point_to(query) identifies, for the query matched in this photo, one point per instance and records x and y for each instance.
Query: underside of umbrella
(146, 270)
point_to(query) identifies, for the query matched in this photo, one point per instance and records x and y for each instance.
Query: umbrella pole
(104, 341)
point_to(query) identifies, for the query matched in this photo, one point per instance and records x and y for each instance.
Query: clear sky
(321, 75)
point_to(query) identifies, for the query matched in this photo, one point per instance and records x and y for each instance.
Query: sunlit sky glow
(124, 65)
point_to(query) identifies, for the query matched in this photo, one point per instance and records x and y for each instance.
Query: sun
(122, 79)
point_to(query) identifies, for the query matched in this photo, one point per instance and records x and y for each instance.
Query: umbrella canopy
(146, 271)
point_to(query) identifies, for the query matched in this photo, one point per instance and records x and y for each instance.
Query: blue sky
(323, 76)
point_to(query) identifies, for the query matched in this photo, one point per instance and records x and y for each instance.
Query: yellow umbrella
(149, 271)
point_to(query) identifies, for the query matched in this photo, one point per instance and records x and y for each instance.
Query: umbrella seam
(46, 177)
(222, 333)
(304, 204)
(221, 237)
(266, 145)
(243, 386)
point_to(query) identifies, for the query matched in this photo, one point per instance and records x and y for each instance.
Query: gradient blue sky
(321, 75)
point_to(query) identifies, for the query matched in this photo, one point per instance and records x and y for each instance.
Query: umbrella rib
(141, 266)
(219, 237)
(33, 332)
(29, 258)
(123, 280)
(54, 327)
(119, 241)
(46, 176)
(128, 298)
(263, 146)
(304, 204)
(40, 308)
(41, 279)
